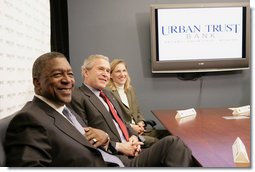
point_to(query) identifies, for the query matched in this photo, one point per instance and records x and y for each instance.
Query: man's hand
(96, 137)
(130, 148)
(136, 143)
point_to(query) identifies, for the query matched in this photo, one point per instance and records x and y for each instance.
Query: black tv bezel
(201, 65)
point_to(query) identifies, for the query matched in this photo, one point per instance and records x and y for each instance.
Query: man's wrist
(106, 145)
(118, 146)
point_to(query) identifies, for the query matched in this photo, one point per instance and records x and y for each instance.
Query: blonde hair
(113, 65)
(89, 62)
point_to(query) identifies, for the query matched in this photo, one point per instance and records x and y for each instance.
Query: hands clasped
(99, 138)
(130, 148)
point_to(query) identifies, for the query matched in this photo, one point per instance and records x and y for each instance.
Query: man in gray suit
(97, 112)
(42, 135)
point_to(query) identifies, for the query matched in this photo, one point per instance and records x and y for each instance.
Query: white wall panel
(24, 35)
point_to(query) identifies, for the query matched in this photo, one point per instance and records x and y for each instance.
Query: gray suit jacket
(169, 151)
(39, 136)
(93, 112)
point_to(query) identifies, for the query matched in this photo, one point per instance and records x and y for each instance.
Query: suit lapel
(126, 109)
(62, 124)
(117, 96)
(129, 97)
(101, 108)
(115, 103)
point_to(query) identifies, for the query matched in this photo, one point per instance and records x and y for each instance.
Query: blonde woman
(124, 92)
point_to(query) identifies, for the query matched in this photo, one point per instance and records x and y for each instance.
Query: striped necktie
(73, 120)
(106, 156)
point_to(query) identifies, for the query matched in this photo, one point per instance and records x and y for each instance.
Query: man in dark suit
(97, 112)
(41, 135)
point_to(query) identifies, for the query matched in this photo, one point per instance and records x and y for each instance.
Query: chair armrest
(152, 123)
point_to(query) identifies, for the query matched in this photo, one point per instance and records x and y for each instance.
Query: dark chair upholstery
(3, 127)
(152, 123)
(149, 125)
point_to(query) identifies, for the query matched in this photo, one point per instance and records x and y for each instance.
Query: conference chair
(150, 124)
(3, 127)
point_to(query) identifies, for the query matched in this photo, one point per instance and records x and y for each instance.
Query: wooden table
(208, 135)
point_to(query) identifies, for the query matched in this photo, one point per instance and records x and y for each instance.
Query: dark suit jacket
(170, 151)
(39, 136)
(92, 110)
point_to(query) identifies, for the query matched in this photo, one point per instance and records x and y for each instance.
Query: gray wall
(120, 29)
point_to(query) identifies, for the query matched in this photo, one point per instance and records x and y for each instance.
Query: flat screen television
(200, 37)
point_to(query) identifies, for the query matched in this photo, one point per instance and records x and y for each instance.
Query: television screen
(200, 37)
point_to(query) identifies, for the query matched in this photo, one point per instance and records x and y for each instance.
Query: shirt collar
(95, 91)
(51, 103)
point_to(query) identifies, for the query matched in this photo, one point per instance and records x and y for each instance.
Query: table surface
(209, 135)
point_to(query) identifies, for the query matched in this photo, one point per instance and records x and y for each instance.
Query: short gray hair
(90, 61)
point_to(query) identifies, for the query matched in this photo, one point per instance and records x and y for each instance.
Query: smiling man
(45, 132)
(53, 78)
(98, 108)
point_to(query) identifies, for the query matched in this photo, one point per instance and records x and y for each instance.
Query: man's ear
(36, 83)
(85, 72)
